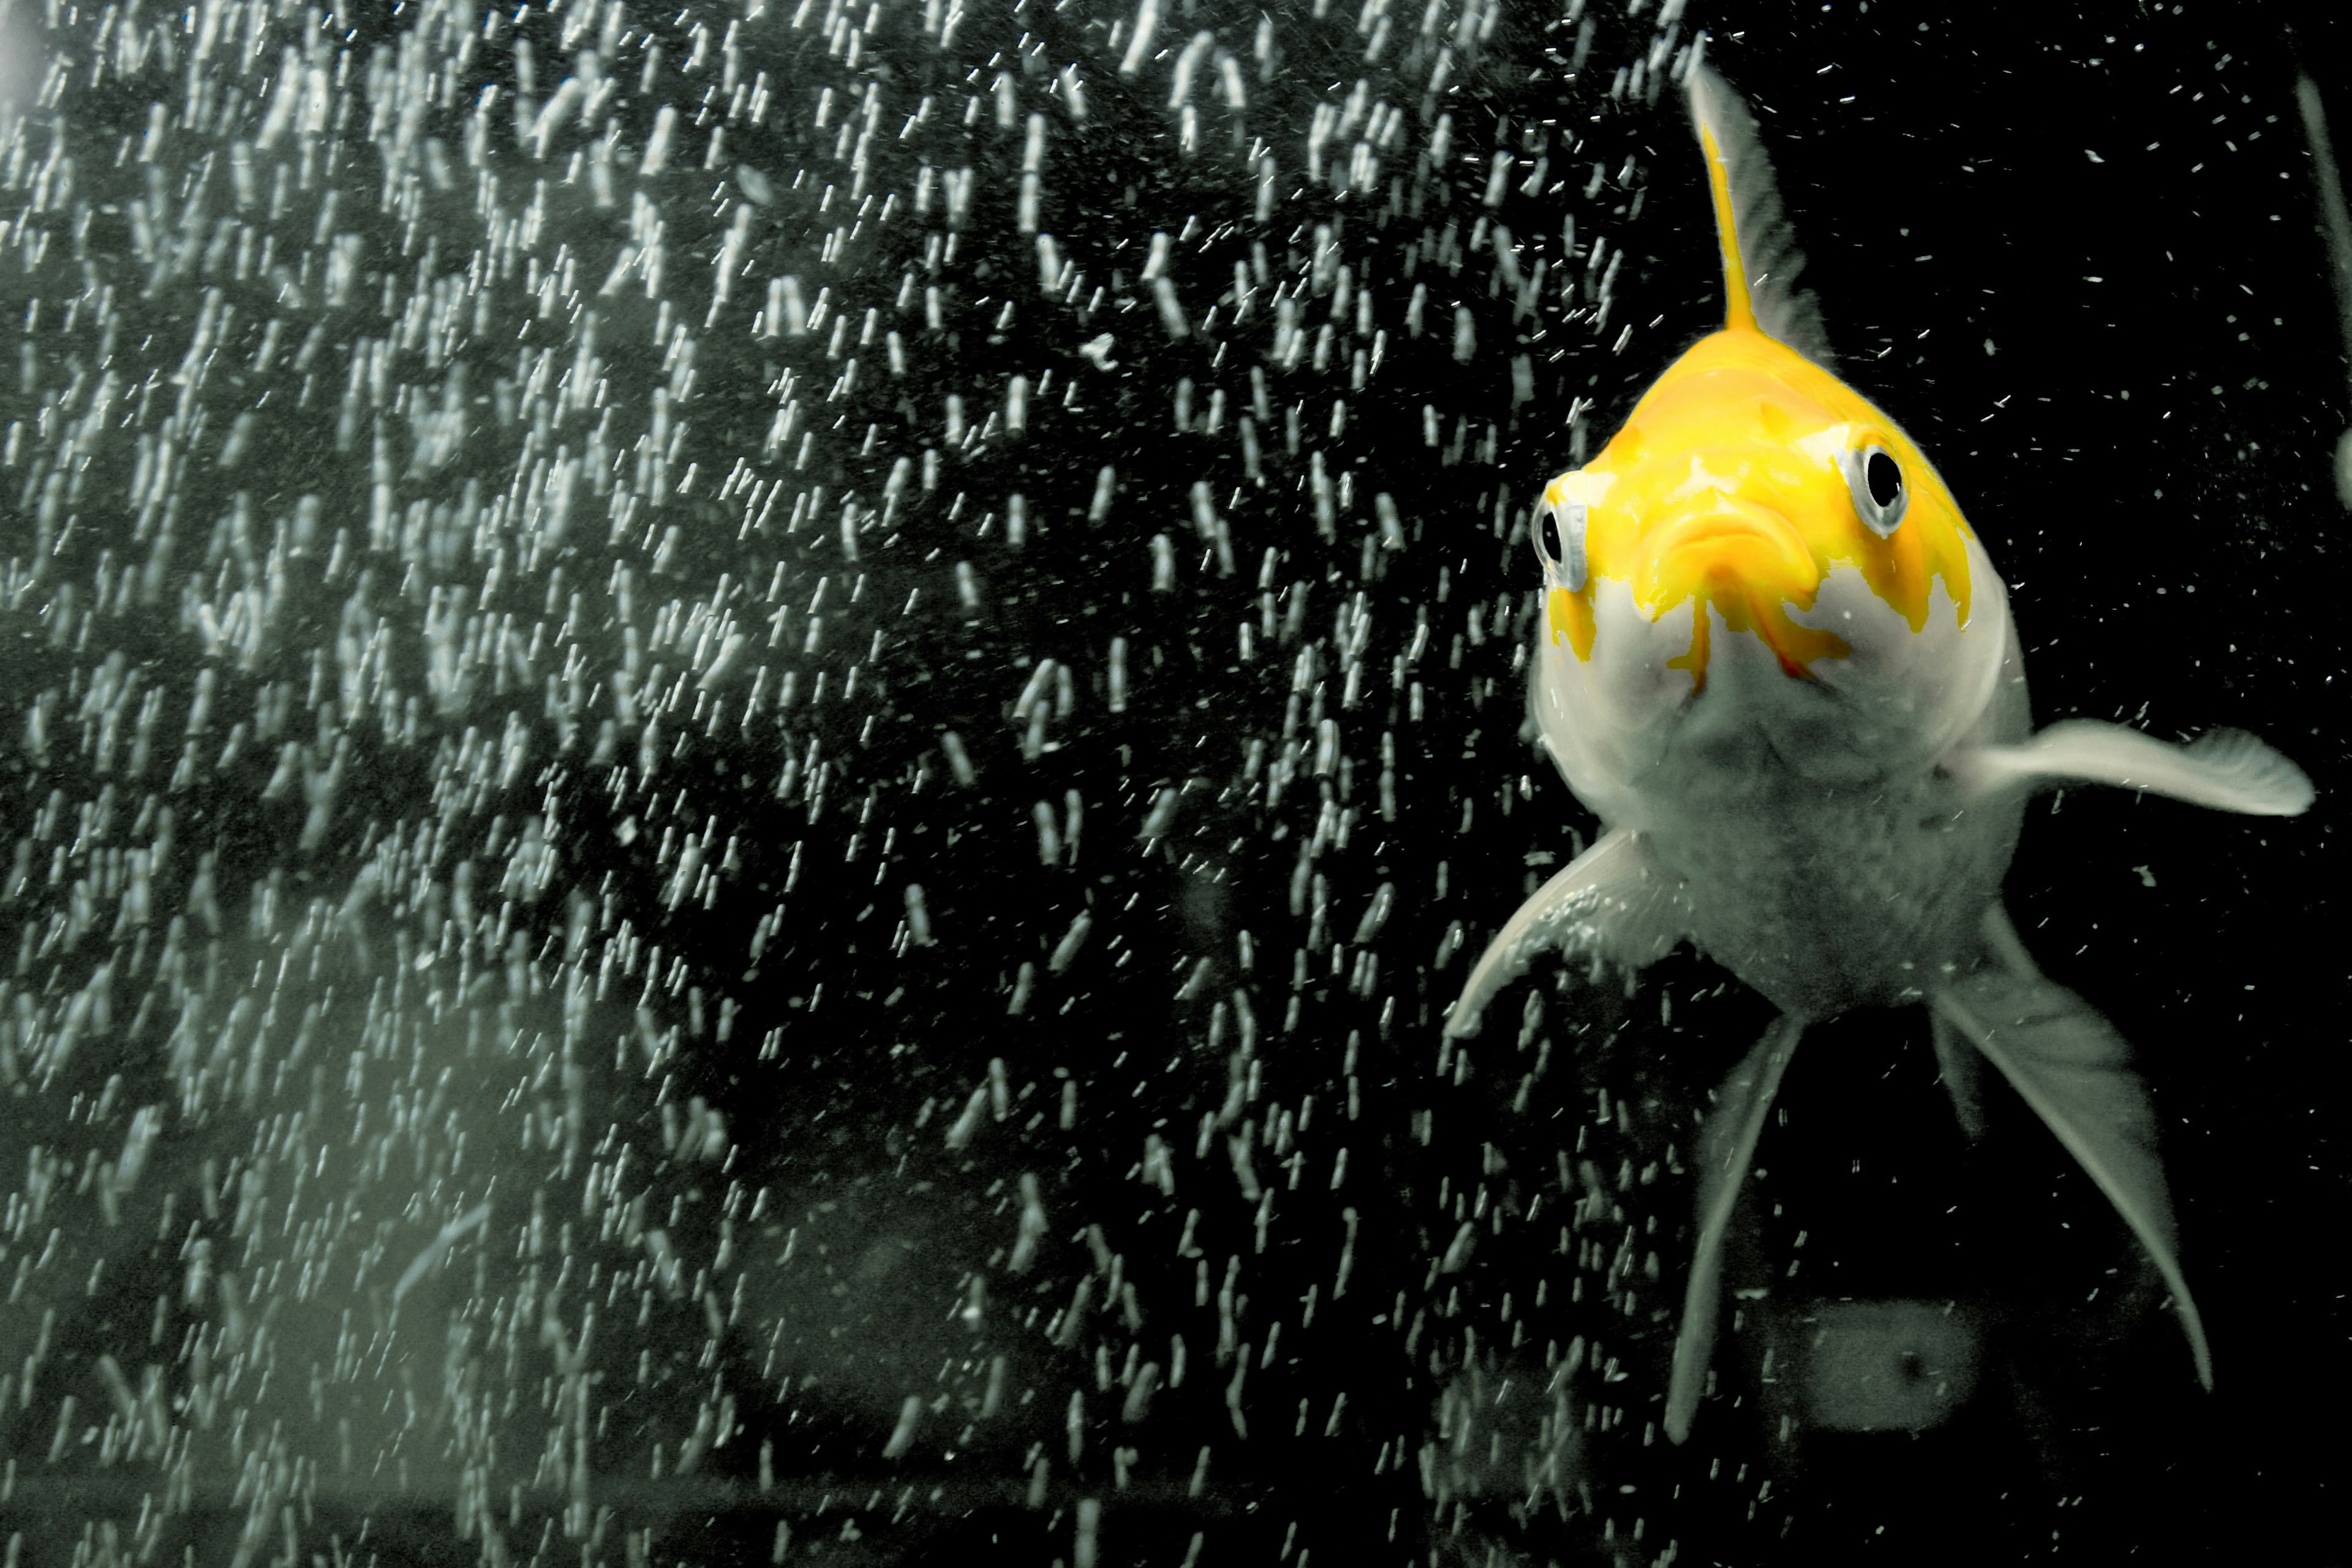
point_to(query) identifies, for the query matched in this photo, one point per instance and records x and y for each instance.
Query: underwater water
(750, 748)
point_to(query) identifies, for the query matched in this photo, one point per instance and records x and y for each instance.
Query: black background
(2074, 252)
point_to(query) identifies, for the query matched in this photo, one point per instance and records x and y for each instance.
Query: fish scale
(1797, 873)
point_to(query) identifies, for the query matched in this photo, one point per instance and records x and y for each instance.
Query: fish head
(1760, 563)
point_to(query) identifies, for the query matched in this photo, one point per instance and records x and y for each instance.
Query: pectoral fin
(1611, 901)
(2227, 770)
(2072, 1068)
(1727, 1148)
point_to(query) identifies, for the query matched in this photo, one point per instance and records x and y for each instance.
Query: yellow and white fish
(1778, 664)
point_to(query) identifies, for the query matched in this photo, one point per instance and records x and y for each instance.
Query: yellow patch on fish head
(1743, 478)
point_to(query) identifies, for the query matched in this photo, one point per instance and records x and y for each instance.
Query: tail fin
(1761, 259)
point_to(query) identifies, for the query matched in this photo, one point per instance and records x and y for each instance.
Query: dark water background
(512, 1079)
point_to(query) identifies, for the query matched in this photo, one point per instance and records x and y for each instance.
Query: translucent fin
(2001, 935)
(1761, 259)
(1727, 1148)
(1609, 901)
(2072, 1068)
(2227, 770)
(1957, 1063)
(2337, 222)
(1956, 1067)
(2336, 218)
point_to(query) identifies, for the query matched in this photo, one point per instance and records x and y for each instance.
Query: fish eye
(1880, 497)
(1558, 532)
(1885, 478)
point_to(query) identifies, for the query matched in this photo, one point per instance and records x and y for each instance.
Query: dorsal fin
(1761, 259)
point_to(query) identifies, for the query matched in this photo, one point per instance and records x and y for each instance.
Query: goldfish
(1777, 665)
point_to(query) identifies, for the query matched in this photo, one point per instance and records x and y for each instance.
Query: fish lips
(1732, 552)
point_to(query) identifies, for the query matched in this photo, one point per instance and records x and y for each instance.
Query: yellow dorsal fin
(1738, 309)
(1760, 260)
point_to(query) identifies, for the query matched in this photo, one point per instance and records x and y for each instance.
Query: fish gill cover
(748, 752)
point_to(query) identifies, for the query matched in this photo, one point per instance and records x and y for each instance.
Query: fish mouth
(1734, 550)
(1750, 567)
